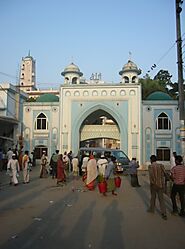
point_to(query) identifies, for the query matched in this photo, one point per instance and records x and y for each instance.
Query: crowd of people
(95, 170)
(15, 161)
(89, 168)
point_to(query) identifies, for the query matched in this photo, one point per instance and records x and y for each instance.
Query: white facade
(123, 103)
(48, 137)
(161, 133)
(135, 123)
(79, 99)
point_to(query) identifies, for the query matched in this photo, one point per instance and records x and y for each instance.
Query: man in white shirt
(13, 169)
(102, 164)
(84, 163)
(9, 154)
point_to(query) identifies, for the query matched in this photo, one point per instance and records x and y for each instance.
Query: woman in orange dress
(61, 177)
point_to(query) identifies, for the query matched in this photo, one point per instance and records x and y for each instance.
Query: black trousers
(178, 189)
(134, 180)
(54, 171)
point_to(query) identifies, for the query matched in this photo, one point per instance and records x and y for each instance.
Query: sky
(96, 35)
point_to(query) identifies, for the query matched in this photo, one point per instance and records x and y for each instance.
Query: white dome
(130, 66)
(72, 68)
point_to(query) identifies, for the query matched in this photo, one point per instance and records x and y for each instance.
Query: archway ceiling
(97, 115)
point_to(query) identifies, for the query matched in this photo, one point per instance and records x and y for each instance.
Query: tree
(173, 90)
(160, 82)
(164, 78)
(149, 86)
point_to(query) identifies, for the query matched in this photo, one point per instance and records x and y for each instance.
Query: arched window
(74, 80)
(134, 79)
(41, 122)
(66, 80)
(163, 154)
(126, 79)
(163, 122)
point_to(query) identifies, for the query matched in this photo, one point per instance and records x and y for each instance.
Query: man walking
(102, 164)
(133, 166)
(156, 176)
(13, 169)
(53, 163)
(178, 177)
(25, 167)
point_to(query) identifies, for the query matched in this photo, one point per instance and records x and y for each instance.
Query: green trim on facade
(48, 97)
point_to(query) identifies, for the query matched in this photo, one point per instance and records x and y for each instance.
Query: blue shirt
(133, 167)
(109, 171)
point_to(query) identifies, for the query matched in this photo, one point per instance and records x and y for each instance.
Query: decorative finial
(130, 56)
(29, 53)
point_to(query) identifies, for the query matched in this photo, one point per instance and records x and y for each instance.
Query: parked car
(122, 160)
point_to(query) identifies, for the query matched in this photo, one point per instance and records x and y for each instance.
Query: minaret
(27, 74)
(129, 73)
(72, 74)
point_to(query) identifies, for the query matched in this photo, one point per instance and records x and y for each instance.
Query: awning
(7, 138)
(9, 120)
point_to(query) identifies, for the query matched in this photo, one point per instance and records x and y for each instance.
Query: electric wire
(9, 75)
(11, 96)
(155, 65)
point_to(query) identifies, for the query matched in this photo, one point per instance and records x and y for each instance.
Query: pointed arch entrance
(99, 129)
(116, 131)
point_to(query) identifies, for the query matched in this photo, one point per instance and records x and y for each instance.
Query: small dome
(47, 97)
(28, 57)
(130, 67)
(159, 96)
(72, 68)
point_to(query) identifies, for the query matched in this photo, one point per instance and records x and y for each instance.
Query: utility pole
(180, 76)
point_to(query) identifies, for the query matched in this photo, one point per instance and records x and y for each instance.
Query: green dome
(47, 97)
(159, 96)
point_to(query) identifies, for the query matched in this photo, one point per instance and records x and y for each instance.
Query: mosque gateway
(94, 113)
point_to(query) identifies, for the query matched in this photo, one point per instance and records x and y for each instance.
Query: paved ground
(41, 215)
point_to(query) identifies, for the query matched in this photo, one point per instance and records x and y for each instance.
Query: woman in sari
(61, 177)
(92, 173)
